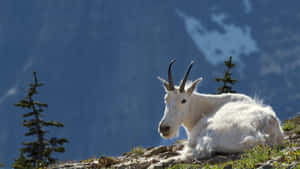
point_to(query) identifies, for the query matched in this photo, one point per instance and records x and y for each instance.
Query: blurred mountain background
(99, 60)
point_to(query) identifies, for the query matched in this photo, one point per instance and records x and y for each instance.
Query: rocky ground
(153, 157)
(165, 157)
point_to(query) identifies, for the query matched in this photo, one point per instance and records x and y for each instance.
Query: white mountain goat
(225, 123)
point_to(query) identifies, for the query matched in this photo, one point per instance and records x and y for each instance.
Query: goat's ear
(191, 89)
(165, 83)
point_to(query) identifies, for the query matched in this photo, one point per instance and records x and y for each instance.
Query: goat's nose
(164, 128)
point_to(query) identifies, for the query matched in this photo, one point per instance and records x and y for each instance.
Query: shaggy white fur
(225, 123)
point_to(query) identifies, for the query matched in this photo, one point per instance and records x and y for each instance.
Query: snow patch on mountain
(215, 45)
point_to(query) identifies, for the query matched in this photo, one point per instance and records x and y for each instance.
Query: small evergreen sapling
(37, 154)
(227, 80)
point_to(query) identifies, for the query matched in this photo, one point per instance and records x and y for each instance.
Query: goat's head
(177, 101)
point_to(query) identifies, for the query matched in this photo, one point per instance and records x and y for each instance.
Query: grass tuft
(289, 125)
(137, 151)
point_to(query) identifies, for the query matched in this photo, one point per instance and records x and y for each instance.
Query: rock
(144, 166)
(266, 166)
(292, 165)
(218, 159)
(107, 161)
(154, 161)
(168, 154)
(278, 158)
(229, 166)
(155, 151)
(175, 147)
(162, 164)
(149, 148)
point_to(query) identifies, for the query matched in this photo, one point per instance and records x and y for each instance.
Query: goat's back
(236, 126)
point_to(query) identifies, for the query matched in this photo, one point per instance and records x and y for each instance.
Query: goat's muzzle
(164, 130)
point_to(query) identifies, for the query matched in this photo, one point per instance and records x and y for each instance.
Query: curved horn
(170, 78)
(182, 85)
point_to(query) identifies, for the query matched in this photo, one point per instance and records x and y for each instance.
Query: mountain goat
(225, 123)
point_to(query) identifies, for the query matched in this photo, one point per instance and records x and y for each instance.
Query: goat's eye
(183, 101)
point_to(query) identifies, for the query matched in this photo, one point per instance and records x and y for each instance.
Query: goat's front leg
(198, 130)
(191, 142)
(204, 148)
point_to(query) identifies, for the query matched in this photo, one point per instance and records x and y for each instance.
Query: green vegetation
(189, 166)
(1, 165)
(289, 125)
(137, 151)
(292, 125)
(255, 156)
(252, 159)
(37, 153)
(227, 79)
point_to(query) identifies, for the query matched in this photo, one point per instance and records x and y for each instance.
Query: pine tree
(37, 153)
(227, 80)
